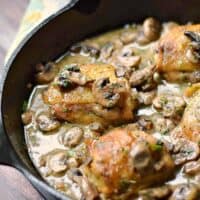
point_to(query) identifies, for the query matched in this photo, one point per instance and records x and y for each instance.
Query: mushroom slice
(46, 122)
(86, 49)
(141, 157)
(55, 161)
(127, 58)
(72, 137)
(140, 76)
(192, 168)
(88, 190)
(71, 75)
(151, 29)
(129, 61)
(188, 191)
(170, 105)
(108, 94)
(184, 150)
(145, 122)
(162, 125)
(27, 117)
(106, 51)
(96, 126)
(146, 98)
(46, 73)
(156, 193)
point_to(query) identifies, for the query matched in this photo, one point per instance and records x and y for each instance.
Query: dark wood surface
(13, 186)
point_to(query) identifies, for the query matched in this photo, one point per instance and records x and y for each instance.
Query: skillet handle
(6, 151)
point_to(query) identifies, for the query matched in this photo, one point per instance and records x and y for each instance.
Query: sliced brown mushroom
(170, 105)
(71, 76)
(27, 117)
(150, 31)
(55, 161)
(58, 162)
(76, 48)
(192, 54)
(142, 39)
(145, 123)
(46, 73)
(192, 168)
(122, 71)
(162, 125)
(88, 190)
(46, 122)
(126, 57)
(108, 94)
(129, 61)
(110, 114)
(146, 98)
(73, 162)
(188, 191)
(72, 137)
(140, 76)
(106, 51)
(96, 126)
(194, 77)
(184, 150)
(157, 77)
(151, 28)
(142, 157)
(156, 193)
(86, 49)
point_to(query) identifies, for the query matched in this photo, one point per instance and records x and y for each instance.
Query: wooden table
(13, 186)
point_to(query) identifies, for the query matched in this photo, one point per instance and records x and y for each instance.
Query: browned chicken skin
(178, 51)
(100, 97)
(126, 159)
(190, 126)
(178, 58)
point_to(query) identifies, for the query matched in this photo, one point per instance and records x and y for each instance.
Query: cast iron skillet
(50, 40)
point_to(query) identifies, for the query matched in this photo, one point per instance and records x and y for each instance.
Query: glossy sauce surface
(158, 104)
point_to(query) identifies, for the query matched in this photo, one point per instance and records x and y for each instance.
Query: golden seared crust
(114, 162)
(190, 126)
(172, 50)
(52, 95)
(78, 105)
(97, 71)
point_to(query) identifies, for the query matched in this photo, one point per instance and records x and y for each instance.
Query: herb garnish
(158, 146)
(24, 106)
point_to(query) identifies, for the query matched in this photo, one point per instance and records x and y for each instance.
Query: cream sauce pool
(40, 143)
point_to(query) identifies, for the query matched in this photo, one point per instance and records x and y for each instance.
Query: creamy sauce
(40, 143)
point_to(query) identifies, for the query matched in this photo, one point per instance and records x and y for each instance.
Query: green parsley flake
(24, 106)
(157, 147)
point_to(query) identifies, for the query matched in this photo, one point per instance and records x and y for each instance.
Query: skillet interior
(52, 40)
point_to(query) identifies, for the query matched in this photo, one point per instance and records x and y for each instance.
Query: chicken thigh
(125, 160)
(90, 93)
(179, 51)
